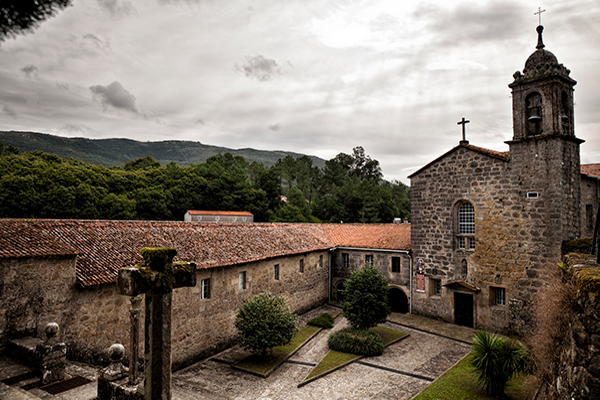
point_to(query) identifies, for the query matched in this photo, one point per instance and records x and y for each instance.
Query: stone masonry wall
(36, 291)
(576, 367)
(381, 260)
(589, 205)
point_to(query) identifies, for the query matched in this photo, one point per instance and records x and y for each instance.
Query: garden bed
(460, 383)
(264, 366)
(335, 360)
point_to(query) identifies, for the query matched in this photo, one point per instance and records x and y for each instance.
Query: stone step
(15, 393)
(23, 349)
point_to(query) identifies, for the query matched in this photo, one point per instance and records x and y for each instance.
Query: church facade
(487, 226)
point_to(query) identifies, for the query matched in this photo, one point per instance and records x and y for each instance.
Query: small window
(435, 286)
(321, 261)
(497, 296)
(301, 265)
(533, 195)
(395, 264)
(243, 280)
(369, 259)
(276, 272)
(205, 288)
(346, 260)
(465, 226)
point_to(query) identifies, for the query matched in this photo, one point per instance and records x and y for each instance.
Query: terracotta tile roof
(591, 170)
(504, 155)
(105, 246)
(197, 212)
(372, 236)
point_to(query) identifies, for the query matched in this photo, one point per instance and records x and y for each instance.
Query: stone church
(487, 229)
(487, 226)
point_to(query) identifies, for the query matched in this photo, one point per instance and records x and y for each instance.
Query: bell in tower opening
(533, 107)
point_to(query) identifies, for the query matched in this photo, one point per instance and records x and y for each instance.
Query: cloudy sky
(313, 76)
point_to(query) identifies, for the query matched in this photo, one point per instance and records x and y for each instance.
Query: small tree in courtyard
(496, 360)
(366, 298)
(264, 321)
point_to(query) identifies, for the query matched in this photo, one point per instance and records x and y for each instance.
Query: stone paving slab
(458, 332)
(421, 353)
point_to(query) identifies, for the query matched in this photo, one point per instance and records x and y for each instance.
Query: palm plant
(497, 360)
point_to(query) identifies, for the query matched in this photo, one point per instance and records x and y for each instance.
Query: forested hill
(348, 188)
(109, 152)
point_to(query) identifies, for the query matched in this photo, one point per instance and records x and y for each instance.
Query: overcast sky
(316, 77)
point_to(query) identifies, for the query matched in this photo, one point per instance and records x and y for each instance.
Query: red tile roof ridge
(591, 169)
(501, 154)
(104, 246)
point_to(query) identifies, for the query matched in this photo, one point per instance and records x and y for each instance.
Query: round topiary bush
(324, 320)
(366, 298)
(356, 341)
(264, 321)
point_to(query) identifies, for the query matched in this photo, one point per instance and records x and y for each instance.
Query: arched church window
(565, 113)
(465, 232)
(533, 113)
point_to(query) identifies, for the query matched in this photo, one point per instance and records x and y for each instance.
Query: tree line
(349, 188)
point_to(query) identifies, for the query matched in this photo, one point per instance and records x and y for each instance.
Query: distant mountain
(119, 151)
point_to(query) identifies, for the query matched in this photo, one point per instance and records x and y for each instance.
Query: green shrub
(366, 298)
(583, 245)
(356, 341)
(263, 322)
(496, 360)
(324, 320)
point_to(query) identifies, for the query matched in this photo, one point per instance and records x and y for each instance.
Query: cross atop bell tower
(542, 95)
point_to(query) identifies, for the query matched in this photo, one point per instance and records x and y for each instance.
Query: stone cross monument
(156, 277)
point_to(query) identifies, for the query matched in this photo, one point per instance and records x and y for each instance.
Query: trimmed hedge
(324, 320)
(356, 341)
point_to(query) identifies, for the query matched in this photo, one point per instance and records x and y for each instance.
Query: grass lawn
(388, 335)
(334, 359)
(263, 365)
(331, 360)
(460, 383)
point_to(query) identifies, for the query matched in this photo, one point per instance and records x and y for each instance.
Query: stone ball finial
(116, 352)
(51, 330)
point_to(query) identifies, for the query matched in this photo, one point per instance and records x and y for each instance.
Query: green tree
(496, 360)
(142, 163)
(19, 16)
(366, 298)
(263, 322)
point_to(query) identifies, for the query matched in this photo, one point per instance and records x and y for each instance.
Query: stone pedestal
(52, 355)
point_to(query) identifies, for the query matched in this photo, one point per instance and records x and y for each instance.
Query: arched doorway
(339, 294)
(398, 300)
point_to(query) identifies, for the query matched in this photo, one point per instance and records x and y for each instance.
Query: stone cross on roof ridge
(463, 122)
(156, 277)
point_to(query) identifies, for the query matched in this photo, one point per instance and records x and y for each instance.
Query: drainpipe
(329, 278)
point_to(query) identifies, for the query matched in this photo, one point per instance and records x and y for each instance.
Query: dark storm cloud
(6, 110)
(199, 121)
(63, 86)
(30, 70)
(116, 7)
(275, 127)
(260, 68)
(474, 22)
(115, 95)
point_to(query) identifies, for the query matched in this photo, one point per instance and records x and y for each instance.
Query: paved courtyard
(405, 369)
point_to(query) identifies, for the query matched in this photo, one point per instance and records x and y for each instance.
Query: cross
(156, 277)
(539, 14)
(463, 122)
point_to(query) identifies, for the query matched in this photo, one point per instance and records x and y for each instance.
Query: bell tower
(542, 96)
(544, 152)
